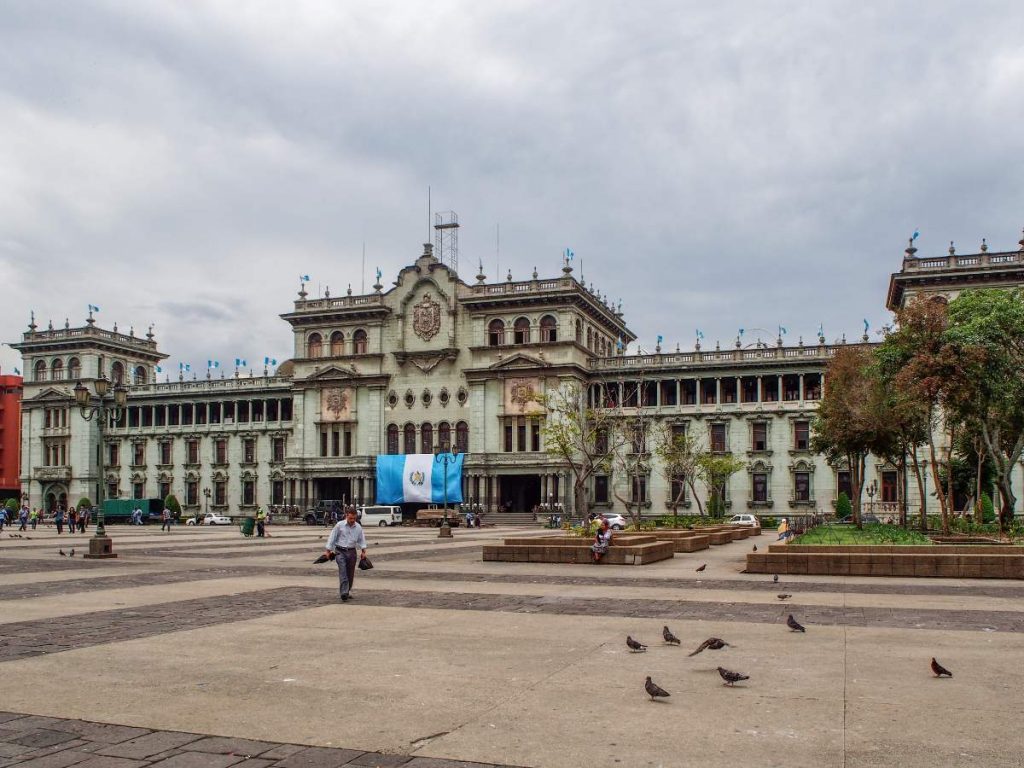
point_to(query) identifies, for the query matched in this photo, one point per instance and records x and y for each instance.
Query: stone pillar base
(100, 548)
(445, 532)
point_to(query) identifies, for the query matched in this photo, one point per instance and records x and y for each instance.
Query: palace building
(436, 362)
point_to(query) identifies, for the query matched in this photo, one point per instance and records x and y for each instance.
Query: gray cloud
(735, 165)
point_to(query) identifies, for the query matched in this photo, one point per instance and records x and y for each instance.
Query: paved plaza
(202, 648)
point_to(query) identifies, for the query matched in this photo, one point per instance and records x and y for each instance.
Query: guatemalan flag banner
(418, 477)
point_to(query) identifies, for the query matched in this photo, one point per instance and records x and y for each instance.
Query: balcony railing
(967, 261)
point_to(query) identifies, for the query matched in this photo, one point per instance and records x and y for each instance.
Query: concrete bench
(631, 550)
(925, 562)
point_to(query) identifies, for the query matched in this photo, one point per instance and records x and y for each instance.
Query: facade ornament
(984, 246)
(426, 318)
(149, 333)
(349, 292)
(32, 314)
(952, 249)
(534, 273)
(327, 291)
(480, 276)
(1021, 241)
(509, 278)
(67, 324)
(910, 250)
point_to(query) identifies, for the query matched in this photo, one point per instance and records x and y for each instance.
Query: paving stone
(254, 762)
(150, 744)
(377, 760)
(103, 733)
(5, 716)
(11, 750)
(30, 722)
(58, 759)
(43, 751)
(198, 760)
(42, 737)
(224, 745)
(438, 762)
(103, 761)
(281, 751)
(319, 757)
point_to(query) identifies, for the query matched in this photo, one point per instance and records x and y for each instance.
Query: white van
(380, 516)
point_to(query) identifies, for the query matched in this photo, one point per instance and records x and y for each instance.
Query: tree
(84, 503)
(715, 470)
(172, 505)
(986, 332)
(679, 461)
(843, 507)
(629, 450)
(581, 434)
(849, 421)
(11, 505)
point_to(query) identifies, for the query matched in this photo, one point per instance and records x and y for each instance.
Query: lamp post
(445, 458)
(206, 495)
(105, 405)
(872, 489)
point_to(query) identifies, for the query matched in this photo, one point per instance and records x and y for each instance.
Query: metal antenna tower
(446, 238)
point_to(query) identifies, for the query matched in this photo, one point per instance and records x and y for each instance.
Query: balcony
(58, 473)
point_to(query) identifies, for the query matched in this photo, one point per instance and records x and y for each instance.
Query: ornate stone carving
(426, 318)
(521, 394)
(335, 404)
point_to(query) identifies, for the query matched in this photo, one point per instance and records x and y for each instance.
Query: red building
(10, 436)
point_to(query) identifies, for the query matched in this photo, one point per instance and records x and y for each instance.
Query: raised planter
(636, 549)
(939, 561)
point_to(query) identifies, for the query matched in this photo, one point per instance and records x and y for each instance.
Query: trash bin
(248, 526)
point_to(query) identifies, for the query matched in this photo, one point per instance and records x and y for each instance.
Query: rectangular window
(215, 413)
(890, 487)
(277, 492)
(112, 491)
(638, 489)
(677, 489)
(760, 487)
(508, 437)
(521, 435)
(801, 435)
(187, 413)
(638, 440)
(139, 454)
(535, 436)
(165, 452)
(249, 450)
(174, 416)
(802, 486)
(279, 449)
(348, 442)
(165, 490)
(138, 491)
(335, 442)
(192, 493)
(323, 443)
(273, 412)
(286, 410)
(601, 489)
(248, 493)
(113, 454)
(192, 452)
(718, 438)
(843, 484)
(228, 412)
(760, 436)
(220, 497)
(201, 413)
(160, 418)
(220, 451)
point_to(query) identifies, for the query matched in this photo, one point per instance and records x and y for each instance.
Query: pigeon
(71, 553)
(794, 625)
(731, 678)
(634, 645)
(653, 690)
(755, 547)
(775, 578)
(705, 565)
(940, 670)
(714, 643)
(783, 597)
(62, 553)
(669, 637)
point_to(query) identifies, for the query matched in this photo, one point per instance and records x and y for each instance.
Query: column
(718, 390)
(760, 397)
(778, 391)
(698, 390)
(679, 393)
(739, 389)
(801, 387)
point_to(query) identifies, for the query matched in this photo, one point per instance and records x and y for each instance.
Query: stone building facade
(438, 362)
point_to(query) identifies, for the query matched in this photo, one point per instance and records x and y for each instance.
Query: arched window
(495, 333)
(359, 342)
(314, 345)
(427, 438)
(590, 339)
(74, 368)
(548, 328)
(392, 439)
(444, 436)
(521, 331)
(140, 374)
(410, 439)
(117, 373)
(579, 331)
(40, 371)
(57, 370)
(462, 437)
(337, 344)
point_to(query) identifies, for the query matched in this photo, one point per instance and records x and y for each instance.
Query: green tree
(84, 503)
(715, 470)
(679, 456)
(843, 507)
(171, 503)
(986, 328)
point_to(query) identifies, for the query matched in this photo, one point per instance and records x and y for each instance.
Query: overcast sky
(714, 165)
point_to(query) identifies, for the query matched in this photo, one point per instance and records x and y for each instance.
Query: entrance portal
(522, 492)
(334, 489)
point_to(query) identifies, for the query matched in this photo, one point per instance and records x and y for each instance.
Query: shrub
(171, 503)
(716, 507)
(988, 510)
(769, 522)
(84, 503)
(11, 505)
(843, 506)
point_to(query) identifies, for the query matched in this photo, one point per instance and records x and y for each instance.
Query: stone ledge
(924, 562)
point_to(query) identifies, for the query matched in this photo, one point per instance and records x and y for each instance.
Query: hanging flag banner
(418, 477)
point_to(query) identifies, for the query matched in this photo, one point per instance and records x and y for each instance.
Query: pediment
(333, 373)
(52, 394)
(517, 361)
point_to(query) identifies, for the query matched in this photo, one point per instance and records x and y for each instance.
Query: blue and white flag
(700, 334)
(418, 478)
(303, 278)
(782, 330)
(184, 366)
(93, 308)
(159, 369)
(660, 338)
(213, 363)
(821, 329)
(17, 372)
(379, 274)
(741, 331)
(917, 234)
(240, 362)
(618, 344)
(866, 325)
(570, 254)
(269, 361)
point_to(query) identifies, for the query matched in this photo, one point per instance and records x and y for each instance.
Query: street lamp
(107, 406)
(872, 489)
(206, 495)
(445, 458)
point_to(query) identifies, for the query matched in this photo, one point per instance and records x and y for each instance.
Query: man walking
(345, 538)
(165, 520)
(23, 518)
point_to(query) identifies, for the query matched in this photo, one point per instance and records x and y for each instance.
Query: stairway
(511, 518)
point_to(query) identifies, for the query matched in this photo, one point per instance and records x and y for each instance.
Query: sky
(713, 165)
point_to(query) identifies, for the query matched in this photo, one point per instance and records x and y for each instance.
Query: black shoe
(345, 598)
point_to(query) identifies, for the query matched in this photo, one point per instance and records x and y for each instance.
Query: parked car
(326, 512)
(211, 518)
(743, 520)
(379, 515)
(615, 521)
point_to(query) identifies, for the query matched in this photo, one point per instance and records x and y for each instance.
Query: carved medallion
(334, 404)
(426, 318)
(521, 392)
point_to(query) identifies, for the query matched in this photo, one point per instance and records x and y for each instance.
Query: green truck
(120, 510)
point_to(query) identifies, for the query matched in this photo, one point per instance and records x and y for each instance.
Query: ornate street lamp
(872, 489)
(445, 458)
(206, 495)
(107, 406)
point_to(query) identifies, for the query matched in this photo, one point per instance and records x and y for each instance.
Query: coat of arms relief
(426, 318)
(336, 404)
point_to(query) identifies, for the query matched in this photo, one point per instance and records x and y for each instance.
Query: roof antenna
(497, 248)
(429, 213)
(362, 275)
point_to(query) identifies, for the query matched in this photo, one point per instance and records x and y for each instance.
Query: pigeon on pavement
(669, 637)
(703, 566)
(714, 643)
(654, 690)
(755, 547)
(731, 678)
(940, 670)
(775, 578)
(634, 646)
(62, 553)
(71, 553)
(783, 597)
(794, 625)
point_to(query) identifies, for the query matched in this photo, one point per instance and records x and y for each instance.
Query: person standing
(165, 520)
(346, 537)
(23, 518)
(34, 517)
(783, 530)
(72, 519)
(83, 518)
(58, 520)
(3, 517)
(261, 522)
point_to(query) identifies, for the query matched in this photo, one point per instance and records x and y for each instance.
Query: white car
(211, 518)
(743, 520)
(615, 521)
(379, 516)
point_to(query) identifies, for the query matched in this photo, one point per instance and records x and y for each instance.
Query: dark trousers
(260, 530)
(60, 527)
(346, 560)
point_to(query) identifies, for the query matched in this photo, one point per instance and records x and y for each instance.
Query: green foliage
(84, 503)
(768, 521)
(11, 505)
(716, 507)
(876, 533)
(843, 506)
(988, 510)
(171, 503)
